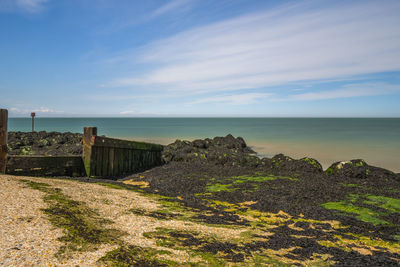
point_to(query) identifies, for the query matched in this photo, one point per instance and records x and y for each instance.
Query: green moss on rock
(312, 162)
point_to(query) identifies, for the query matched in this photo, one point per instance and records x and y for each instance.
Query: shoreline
(325, 154)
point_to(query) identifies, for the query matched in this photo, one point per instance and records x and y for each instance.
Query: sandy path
(27, 238)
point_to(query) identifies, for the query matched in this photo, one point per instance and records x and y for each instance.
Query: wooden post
(89, 135)
(3, 139)
(33, 114)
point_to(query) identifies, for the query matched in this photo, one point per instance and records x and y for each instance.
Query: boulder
(358, 168)
(44, 143)
(286, 163)
(226, 150)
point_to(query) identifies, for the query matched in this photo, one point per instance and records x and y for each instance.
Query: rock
(358, 168)
(44, 143)
(226, 150)
(312, 164)
(200, 143)
(286, 163)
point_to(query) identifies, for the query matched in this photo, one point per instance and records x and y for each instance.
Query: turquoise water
(377, 140)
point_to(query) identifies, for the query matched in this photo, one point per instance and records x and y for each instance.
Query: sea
(376, 140)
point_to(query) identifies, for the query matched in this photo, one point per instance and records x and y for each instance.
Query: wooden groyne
(101, 157)
(45, 165)
(3, 139)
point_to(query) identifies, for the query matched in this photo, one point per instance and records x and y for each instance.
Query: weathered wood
(89, 135)
(109, 157)
(130, 160)
(117, 157)
(3, 139)
(104, 162)
(117, 143)
(98, 159)
(126, 161)
(116, 161)
(121, 161)
(45, 165)
(101, 157)
(111, 162)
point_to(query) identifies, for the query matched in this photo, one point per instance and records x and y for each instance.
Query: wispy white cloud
(235, 99)
(300, 42)
(347, 91)
(44, 110)
(127, 112)
(30, 6)
(127, 20)
(172, 5)
(15, 110)
(24, 111)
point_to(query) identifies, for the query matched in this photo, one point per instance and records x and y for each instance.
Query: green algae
(350, 241)
(158, 214)
(390, 205)
(329, 171)
(220, 187)
(331, 244)
(264, 260)
(277, 163)
(190, 241)
(84, 229)
(232, 184)
(312, 162)
(376, 243)
(256, 217)
(131, 255)
(349, 185)
(214, 252)
(360, 163)
(113, 186)
(363, 214)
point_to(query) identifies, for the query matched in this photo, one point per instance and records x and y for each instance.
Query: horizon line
(207, 117)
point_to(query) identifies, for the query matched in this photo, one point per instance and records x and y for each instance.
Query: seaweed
(84, 229)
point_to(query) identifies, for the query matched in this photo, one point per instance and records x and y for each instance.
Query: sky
(247, 58)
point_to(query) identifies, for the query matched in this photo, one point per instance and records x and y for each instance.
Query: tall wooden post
(3, 139)
(89, 135)
(33, 114)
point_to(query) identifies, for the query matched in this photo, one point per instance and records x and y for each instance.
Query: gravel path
(28, 238)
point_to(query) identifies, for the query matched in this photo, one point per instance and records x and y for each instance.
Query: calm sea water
(375, 140)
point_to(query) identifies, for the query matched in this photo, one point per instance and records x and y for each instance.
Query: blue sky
(200, 58)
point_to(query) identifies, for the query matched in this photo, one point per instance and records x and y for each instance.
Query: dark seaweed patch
(136, 256)
(84, 229)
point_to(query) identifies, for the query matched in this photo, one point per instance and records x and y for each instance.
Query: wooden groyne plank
(107, 157)
(3, 139)
(89, 134)
(117, 143)
(45, 165)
